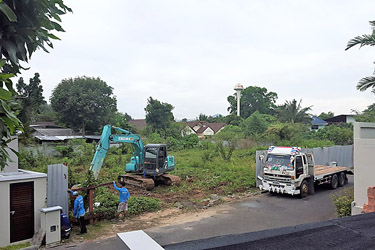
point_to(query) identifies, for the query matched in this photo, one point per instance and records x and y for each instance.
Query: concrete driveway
(264, 211)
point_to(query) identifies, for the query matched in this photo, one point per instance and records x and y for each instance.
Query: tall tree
(84, 103)
(292, 111)
(364, 40)
(159, 115)
(25, 26)
(31, 99)
(253, 99)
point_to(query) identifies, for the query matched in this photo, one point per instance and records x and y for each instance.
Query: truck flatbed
(322, 170)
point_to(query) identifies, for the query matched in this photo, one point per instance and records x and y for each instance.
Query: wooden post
(91, 196)
(91, 203)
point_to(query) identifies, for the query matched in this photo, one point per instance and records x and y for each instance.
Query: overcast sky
(191, 53)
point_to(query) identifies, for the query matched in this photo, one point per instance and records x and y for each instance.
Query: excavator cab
(156, 160)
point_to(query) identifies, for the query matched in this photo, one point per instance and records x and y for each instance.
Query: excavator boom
(150, 161)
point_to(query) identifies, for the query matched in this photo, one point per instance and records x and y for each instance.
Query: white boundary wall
(364, 175)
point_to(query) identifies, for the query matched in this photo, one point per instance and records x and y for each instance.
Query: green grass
(200, 169)
(17, 246)
(215, 174)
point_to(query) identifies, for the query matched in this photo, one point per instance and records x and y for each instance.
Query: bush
(138, 205)
(343, 202)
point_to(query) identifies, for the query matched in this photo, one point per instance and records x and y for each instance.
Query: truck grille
(277, 177)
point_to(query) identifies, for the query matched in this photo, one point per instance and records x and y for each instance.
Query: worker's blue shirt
(79, 209)
(124, 193)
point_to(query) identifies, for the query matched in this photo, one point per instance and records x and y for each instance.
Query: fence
(343, 155)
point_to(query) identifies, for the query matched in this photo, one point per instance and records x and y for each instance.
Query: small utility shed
(23, 194)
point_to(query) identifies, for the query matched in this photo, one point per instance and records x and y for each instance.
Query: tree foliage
(47, 114)
(122, 121)
(339, 134)
(25, 26)
(256, 124)
(368, 115)
(159, 115)
(327, 115)
(84, 103)
(278, 132)
(253, 99)
(31, 99)
(292, 111)
(364, 40)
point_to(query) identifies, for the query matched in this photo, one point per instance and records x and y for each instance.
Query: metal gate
(21, 211)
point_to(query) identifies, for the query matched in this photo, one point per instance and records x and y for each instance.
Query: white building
(364, 170)
(23, 194)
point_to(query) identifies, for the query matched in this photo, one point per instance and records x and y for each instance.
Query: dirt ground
(187, 211)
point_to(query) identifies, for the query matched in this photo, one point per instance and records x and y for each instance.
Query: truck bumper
(278, 188)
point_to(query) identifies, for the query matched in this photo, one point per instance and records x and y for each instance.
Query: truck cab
(290, 171)
(283, 168)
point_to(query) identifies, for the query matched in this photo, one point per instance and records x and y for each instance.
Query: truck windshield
(279, 162)
(151, 153)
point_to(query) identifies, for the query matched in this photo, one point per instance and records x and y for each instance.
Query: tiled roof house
(203, 129)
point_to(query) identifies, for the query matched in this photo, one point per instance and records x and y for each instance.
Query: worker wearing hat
(79, 211)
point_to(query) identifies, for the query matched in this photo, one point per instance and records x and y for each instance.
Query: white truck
(289, 171)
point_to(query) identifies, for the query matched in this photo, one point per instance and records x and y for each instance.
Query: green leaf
(5, 76)
(5, 94)
(9, 123)
(57, 26)
(2, 61)
(8, 12)
(53, 37)
(11, 49)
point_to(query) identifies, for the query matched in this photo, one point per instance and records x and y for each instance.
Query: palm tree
(364, 40)
(292, 112)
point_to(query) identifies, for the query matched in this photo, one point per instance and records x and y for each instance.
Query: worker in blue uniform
(79, 211)
(124, 197)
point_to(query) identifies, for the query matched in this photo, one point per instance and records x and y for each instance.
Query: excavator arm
(123, 136)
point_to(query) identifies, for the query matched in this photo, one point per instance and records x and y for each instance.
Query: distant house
(50, 132)
(340, 119)
(317, 123)
(202, 129)
(138, 123)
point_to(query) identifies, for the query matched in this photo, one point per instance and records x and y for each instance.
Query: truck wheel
(304, 189)
(334, 181)
(342, 177)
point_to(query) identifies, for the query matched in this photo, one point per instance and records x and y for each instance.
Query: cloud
(192, 53)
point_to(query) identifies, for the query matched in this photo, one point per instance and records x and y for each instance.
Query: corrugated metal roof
(54, 131)
(58, 138)
(317, 121)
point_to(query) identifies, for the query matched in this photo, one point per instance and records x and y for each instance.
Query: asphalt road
(264, 211)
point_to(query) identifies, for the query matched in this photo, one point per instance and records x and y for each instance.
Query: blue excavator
(148, 165)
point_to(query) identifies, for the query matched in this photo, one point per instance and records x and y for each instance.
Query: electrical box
(50, 222)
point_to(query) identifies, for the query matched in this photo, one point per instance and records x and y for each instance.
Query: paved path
(265, 211)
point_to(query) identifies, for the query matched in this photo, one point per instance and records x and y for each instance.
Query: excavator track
(137, 180)
(168, 179)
